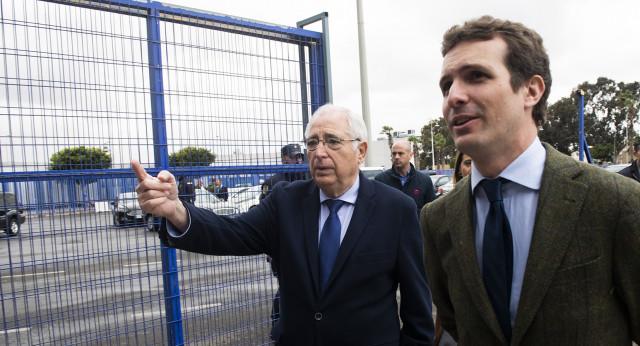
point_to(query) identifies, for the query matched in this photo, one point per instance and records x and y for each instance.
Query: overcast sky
(585, 40)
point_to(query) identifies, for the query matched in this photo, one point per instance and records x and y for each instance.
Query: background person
(404, 177)
(221, 191)
(569, 230)
(338, 269)
(462, 168)
(632, 171)
(186, 190)
(290, 154)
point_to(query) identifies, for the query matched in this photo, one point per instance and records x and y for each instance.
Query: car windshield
(245, 195)
(10, 200)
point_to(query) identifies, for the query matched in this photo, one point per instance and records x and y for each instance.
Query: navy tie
(497, 255)
(329, 241)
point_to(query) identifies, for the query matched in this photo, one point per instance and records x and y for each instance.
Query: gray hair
(357, 128)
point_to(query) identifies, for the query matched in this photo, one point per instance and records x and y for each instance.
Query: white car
(371, 172)
(207, 200)
(246, 198)
(445, 188)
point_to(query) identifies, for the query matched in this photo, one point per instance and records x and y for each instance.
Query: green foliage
(602, 152)
(415, 143)
(443, 144)
(610, 112)
(79, 158)
(191, 157)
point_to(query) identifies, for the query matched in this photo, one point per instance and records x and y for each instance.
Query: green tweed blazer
(582, 279)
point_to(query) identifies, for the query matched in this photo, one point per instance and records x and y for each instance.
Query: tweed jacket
(582, 279)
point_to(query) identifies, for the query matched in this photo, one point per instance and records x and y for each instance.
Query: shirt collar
(525, 170)
(350, 196)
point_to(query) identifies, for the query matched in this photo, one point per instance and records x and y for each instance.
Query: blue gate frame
(314, 93)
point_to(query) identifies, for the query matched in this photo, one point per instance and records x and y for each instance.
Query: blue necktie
(497, 255)
(329, 241)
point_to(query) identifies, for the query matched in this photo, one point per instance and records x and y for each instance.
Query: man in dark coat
(404, 177)
(340, 268)
(632, 171)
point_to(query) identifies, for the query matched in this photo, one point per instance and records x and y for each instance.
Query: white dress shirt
(344, 213)
(520, 198)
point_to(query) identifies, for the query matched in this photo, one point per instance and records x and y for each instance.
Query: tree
(610, 111)
(79, 158)
(443, 144)
(191, 156)
(415, 141)
(388, 130)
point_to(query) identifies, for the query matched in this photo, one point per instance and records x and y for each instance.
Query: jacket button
(318, 316)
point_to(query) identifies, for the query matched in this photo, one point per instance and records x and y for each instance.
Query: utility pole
(364, 79)
(433, 153)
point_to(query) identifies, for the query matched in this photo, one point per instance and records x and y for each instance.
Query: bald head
(401, 156)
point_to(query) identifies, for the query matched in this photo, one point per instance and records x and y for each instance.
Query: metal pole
(364, 79)
(324, 17)
(433, 153)
(580, 124)
(170, 280)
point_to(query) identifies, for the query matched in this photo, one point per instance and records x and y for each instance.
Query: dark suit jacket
(381, 250)
(582, 279)
(631, 171)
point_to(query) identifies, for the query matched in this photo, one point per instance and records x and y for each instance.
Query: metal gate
(85, 87)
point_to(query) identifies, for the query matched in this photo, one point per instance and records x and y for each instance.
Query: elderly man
(343, 243)
(536, 248)
(404, 177)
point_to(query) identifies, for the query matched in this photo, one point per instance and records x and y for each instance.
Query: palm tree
(416, 150)
(388, 130)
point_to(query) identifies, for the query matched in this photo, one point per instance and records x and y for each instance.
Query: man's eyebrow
(447, 76)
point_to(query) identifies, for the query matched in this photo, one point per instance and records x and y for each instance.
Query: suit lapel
(310, 213)
(361, 214)
(460, 203)
(559, 204)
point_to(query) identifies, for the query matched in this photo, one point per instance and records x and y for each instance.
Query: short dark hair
(636, 146)
(525, 58)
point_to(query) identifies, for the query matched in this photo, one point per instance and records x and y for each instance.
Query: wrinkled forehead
(333, 123)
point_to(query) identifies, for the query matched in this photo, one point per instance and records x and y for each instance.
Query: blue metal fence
(138, 80)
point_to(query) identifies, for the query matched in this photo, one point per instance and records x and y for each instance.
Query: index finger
(139, 171)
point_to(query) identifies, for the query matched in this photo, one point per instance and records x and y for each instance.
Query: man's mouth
(462, 121)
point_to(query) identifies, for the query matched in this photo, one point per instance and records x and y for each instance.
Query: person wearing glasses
(343, 243)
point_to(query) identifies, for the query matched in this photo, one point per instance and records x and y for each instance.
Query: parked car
(616, 168)
(11, 213)
(443, 189)
(439, 180)
(371, 172)
(207, 200)
(246, 198)
(127, 212)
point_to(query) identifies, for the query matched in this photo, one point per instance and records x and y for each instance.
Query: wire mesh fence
(87, 86)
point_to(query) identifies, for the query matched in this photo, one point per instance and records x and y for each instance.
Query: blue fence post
(582, 141)
(316, 76)
(169, 260)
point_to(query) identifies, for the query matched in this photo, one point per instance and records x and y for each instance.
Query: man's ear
(534, 88)
(362, 151)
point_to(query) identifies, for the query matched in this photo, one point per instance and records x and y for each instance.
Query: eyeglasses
(333, 143)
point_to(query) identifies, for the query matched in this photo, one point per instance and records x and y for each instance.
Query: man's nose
(457, 94)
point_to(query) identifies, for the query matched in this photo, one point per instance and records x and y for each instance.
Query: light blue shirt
(344, 213)
(520, 198)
